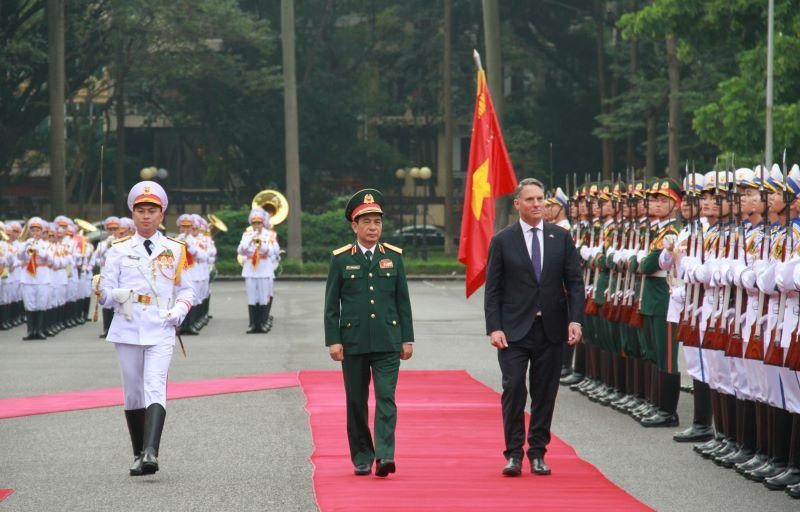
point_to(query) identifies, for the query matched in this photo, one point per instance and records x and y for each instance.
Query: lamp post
(414, 173)
(425, 174)
(400, 174)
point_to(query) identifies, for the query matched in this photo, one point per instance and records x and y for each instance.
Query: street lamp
(425, 174)
(400, 174)
(414, 173)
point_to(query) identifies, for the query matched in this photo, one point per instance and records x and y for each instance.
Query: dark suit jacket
(513, 295)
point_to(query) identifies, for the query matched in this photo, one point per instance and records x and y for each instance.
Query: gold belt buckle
(143, 299)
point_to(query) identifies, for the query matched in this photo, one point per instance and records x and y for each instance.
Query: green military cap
(665, 187)
(368, 200)
(604, 191)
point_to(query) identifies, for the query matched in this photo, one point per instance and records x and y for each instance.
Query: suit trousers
(541, 360)
(383, 368)
(144, 370)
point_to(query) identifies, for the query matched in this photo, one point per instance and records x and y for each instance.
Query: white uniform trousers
(259, 290)
(144, 370)
(36, 296)
(768, 377)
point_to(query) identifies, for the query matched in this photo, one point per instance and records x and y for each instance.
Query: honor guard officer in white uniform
(258, 247)
(13, 230)
(142, 281)
(185, 224)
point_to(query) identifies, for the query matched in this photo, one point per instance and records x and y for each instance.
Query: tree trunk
(602, 82)
(673, 70)
(120, 196)
(56, 78)
(449, 225)
(652, 118)
(494, 78)
(295, 248)
(630, 146)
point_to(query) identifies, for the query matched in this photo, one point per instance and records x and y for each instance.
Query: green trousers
(382, 367)
(665, 353)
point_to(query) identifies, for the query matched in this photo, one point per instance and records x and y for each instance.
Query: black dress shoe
(720, 455)
(793, 491)
(694, 434)
(513, 467)
(772, 468)
(711, 444)
(739, 457)
(538, 467)
(661, 419)
(758, 460)
(384, 467)
(789, 477)
(362, 469)
(571, 379)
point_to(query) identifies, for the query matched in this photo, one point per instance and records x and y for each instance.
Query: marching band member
(258, 247)
(35, 256)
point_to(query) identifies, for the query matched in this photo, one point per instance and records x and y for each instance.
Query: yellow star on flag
(481, 189)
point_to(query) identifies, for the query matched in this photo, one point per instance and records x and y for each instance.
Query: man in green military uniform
(665, 380)
(368, 328)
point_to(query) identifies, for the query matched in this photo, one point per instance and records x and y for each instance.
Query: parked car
(428, 234)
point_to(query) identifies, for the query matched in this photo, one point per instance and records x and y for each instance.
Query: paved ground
(250, 451)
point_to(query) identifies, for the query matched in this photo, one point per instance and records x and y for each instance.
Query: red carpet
(43, 404)
(449, 454)
(5, 493)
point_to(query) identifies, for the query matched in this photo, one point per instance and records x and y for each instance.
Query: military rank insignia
(386, 263)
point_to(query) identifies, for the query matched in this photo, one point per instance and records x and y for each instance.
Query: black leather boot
(252, 312)
(780, 423)
(745, 435)
(268, 314)
(701, 425)
(31, 321)
(670, 388)
(135, 420)
(39, 325)
(5, 317)
(263, 316)
(153, 426)
(792, 474)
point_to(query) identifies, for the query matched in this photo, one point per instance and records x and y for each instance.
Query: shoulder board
(342, 249)
(176, 240)
(393, 248)
(115, 242)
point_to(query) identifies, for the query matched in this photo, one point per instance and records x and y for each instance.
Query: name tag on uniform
(352, 267)
(386, 263)
(133, 257)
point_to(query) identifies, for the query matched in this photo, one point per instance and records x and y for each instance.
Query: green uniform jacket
(655, 296)
(367, 307)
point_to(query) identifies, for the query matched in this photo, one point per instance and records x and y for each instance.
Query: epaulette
(115, 242)
(342, 249)
(176, 240)
(393, 248)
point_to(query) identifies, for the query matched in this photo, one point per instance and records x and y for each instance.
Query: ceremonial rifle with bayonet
(755, 345)
(735, 343)
(635, 319)
(774, 354)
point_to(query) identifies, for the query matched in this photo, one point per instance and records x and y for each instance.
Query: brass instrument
(86, 226)
(274, 203)
(216, 224)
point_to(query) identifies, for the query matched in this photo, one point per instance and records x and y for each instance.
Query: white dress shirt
(526, 230)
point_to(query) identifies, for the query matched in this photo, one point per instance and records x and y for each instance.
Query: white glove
(766, 281)
(678, 294)
(175, 315)
(640, 256)
(586, 253)
(748, 279)
(669, 242)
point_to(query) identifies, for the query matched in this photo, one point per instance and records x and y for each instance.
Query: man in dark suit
(533, 303)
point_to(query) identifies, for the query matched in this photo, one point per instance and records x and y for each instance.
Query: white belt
(660, 273)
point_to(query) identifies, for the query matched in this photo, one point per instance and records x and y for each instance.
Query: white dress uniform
(143, 288)
(260, 252)
(143, 281)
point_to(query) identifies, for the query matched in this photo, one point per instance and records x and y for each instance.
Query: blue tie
(148, 245)
(536, 254)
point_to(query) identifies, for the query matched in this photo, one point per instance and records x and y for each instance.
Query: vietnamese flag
(489, 176)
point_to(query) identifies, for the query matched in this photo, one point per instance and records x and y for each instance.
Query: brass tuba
(215, 225)
(274, 203)
(85, 226)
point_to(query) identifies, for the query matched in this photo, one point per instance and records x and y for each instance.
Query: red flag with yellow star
(489, 176)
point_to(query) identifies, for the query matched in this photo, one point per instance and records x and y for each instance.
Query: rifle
(710, 336)
(734, 346)
(636, 320)
(591, 307)
(755, 346)
(774, 355)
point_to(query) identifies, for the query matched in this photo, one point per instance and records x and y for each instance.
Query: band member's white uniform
(259, 248)
(142, 280)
